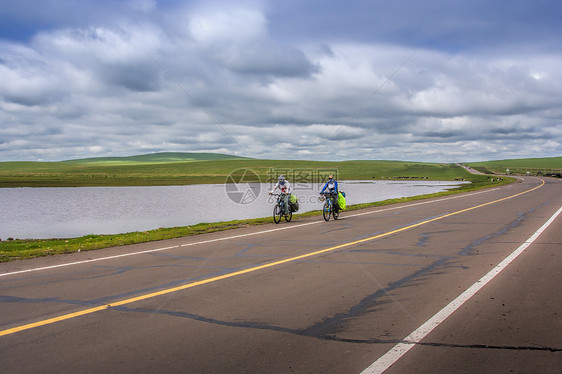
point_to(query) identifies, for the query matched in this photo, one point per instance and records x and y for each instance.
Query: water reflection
(71, 212)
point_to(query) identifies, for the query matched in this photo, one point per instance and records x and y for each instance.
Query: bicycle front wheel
(288, 216)
(326, 211)
(277, 213)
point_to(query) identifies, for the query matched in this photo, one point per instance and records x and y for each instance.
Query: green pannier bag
(341, 200)
(294, 203)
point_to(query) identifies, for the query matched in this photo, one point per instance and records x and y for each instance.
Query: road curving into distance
(347, 296)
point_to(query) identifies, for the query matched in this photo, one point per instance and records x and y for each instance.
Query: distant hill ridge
(160, 157)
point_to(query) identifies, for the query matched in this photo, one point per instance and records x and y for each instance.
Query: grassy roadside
(12, 250)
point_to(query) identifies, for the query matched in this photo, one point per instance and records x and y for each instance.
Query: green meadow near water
(189, 168)
(193, 168)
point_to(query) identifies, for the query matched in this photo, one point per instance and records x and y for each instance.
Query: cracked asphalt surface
(258, 303)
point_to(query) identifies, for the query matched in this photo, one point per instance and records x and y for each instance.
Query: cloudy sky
(432, 80)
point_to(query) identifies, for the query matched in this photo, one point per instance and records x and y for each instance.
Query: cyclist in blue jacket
(332, 187)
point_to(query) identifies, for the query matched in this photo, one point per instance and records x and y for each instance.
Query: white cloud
(228, 26)
(195, 79)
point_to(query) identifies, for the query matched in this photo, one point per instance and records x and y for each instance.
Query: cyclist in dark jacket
(332, 187)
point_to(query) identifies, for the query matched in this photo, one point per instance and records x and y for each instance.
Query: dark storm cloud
(282, 62)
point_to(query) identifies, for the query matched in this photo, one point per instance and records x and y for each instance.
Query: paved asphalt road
(305, 297)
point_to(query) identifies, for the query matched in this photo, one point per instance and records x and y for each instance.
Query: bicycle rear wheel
(277, 213)
(326, 211)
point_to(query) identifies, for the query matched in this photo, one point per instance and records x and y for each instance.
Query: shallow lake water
(38, 213)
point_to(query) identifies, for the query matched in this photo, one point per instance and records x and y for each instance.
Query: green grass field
(171, 169)
(533, 166)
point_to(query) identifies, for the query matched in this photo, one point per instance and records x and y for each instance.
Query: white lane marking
(400, 349)
(85, 261)
(235, 236)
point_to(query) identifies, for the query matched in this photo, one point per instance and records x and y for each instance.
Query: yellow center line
(245, 271)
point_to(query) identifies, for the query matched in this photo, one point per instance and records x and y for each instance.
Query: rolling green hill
(157, 157)
(182, 169)
(159, 169)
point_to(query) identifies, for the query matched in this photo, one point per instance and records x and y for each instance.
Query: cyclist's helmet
(281, 179)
